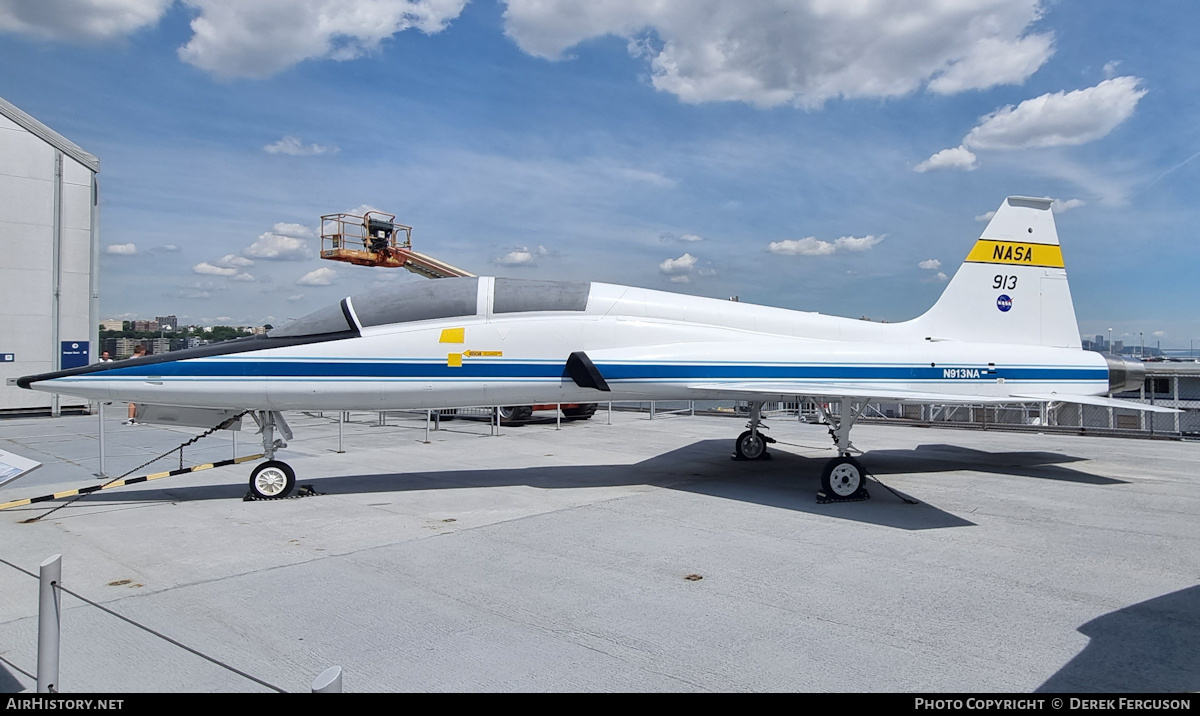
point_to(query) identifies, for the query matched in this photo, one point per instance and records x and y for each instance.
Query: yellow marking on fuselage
(452, 335)
(454, 360)
(989, 251)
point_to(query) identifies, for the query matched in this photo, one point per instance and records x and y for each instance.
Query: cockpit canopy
(439, 298)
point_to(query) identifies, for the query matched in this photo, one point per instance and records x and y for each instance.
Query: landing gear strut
(843, 478)
(274, 478)
(752, 445)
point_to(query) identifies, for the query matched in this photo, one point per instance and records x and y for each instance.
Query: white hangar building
(49, 246)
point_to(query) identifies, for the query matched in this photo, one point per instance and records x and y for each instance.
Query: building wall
(27, 201)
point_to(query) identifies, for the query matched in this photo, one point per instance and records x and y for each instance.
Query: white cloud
(803, 52)
(1058, 206)
(360, 210)
(857, 244)
(682, 265)
(986, 216)
(295, 297)
(234, 261)
(318, 277)
(994, 61)
(942, 277)
(297, 230)
(1051, 120)
(229, 266)
(930, 264)
(682, 278)
(121, 249)
(1110, 68)
(87, 20)
(164, 249)
(955, 158)
(286, 243)
(667, 237)
(1059, 118)
(208, 269)
(522, 256)
(232, 38)
(519, 257)
(292, 146)
(809, 246)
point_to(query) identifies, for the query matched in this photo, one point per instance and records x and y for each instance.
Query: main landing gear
(843, 479)
(752, 444)
(272, 479)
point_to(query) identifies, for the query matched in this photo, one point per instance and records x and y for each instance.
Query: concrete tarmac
(559, 560)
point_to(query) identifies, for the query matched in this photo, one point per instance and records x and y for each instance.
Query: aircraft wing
(868, 392)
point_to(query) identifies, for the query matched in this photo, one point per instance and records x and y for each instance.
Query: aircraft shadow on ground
(948, 458)
(9, 684)
(1146, 647)
(786, 481)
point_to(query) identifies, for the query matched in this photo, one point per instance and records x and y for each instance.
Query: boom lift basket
(375, 239)
(368, 240)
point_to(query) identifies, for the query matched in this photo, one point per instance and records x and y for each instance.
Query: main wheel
(750, 445)
(580, 412)
(843, 477)
(515, 413)
(272, 479)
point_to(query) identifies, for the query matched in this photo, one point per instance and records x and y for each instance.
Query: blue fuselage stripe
(291, 370)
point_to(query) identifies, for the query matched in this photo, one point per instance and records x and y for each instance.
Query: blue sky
(811, 154)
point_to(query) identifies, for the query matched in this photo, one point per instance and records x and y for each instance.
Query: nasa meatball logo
(1004, 303)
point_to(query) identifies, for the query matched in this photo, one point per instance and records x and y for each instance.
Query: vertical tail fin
(1012, 287)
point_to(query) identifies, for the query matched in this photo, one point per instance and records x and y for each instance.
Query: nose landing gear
(752, 444)
(272, 479)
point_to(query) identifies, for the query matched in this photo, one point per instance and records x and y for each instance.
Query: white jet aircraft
(1003, 331)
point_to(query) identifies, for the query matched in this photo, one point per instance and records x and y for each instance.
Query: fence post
(558, 416)
(102, 472)
(610, 412)
(49, 624)
(652, 410)
(428, 419)
(1175, 390)
(341, 430)
(329, 682)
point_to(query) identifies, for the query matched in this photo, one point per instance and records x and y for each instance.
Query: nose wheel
(750, 445)
(272, 480)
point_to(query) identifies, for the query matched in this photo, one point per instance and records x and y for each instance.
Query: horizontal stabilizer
(1098, 400)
